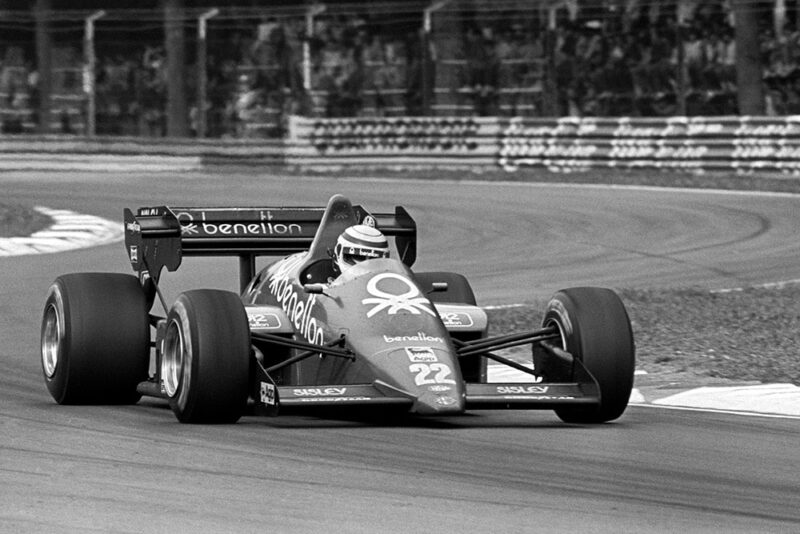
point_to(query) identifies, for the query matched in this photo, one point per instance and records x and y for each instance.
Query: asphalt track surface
(134, 469)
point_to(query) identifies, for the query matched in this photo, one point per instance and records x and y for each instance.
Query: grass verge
(749, 335)
(20, 221)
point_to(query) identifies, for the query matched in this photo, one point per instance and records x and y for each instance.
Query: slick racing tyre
(458, 288)
(95, 338)
(595, 328)
(205, 362)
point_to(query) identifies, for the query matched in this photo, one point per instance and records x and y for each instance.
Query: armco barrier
(739, 144)
(393, 141)
(61, 152)
(700, 143)
(735, 144)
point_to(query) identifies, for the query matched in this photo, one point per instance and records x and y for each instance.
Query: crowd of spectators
(624, 66)
(18, 84)
(781, 55)
(609, 67)
(615, 66)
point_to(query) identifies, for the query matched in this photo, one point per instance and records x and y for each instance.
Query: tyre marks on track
(70, 230)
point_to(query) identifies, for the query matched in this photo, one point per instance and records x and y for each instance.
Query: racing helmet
(358, 243)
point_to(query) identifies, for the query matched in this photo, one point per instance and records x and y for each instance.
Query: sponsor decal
(190, 226)
(410, 301)
(149, 212)
(263, 320)
(421, 354)
(445, 401)
(539, 397)
(133, 227)
(437, 388)
(394, 134)
(293, 303)
(421, 336)
(133, 252)
(434, 373)
(334, 399)
(267, 394)
(457, 320)
(516, 390)
(318, 392)
(369, 220)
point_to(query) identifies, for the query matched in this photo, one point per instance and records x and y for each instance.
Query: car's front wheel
(206, 357)
(595, 328)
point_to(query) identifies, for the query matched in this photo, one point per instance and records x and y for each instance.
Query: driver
(359, 243)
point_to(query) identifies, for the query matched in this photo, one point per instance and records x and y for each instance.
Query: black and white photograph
(400, 266)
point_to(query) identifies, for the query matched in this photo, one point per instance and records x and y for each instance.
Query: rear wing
(158, 237)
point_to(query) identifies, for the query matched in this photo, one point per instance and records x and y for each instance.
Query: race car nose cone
(433, 375)
(440, 401)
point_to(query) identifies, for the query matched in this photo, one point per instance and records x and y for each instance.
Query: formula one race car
(377, 336)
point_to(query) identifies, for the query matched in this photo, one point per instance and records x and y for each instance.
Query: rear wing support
(158, 237)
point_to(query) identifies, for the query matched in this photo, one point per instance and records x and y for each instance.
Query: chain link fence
(241, 72)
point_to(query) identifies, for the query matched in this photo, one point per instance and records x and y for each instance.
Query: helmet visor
(353, 255)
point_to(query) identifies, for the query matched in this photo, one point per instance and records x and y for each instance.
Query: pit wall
(728, 144)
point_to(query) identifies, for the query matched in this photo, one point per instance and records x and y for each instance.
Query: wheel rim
(172, 359)
(561, 335)
(51, 341)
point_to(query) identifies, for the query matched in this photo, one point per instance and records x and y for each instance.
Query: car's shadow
(340, 417)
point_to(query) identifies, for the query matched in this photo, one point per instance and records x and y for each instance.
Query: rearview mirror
(314, 289)
(438, 287)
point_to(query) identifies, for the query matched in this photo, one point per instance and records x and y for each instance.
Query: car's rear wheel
(206, 357)
(595, 328)
(95, 338)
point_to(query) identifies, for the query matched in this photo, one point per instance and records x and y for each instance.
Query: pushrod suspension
(505, 361)
(471, 348)
(327, 349)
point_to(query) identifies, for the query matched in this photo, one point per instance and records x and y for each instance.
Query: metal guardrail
(741, 144)
(736, 144)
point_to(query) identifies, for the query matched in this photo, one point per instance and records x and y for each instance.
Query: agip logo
(421, 354)
(408, 299)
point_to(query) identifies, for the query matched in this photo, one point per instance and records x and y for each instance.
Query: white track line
(69, 231)
(768, 400)
(568, 185)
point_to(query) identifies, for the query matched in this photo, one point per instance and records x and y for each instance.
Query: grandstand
(241, 69)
